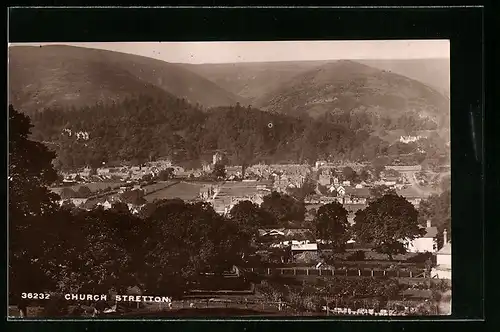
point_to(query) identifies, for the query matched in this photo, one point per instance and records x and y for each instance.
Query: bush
(56, 306)
(421, 257)
(358, 255)
(313, 303)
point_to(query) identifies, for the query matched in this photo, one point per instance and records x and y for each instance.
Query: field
(157, 186)
(239, 189)
(183, 190)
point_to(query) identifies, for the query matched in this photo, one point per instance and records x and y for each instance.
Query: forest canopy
(144, 128)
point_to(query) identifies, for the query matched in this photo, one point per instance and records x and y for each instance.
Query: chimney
(428, 223)
(445, 237)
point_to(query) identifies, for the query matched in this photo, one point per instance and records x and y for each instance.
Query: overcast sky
(231, 52)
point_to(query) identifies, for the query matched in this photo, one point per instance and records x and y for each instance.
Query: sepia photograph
(229, 179)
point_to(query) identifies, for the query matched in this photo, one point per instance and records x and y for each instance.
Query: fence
(346, 272)
(341, 309)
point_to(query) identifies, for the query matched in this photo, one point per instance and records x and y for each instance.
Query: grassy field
(157, 186)
(182, 190)
(239, 188)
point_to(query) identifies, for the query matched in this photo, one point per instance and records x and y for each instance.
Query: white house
(78, 201)
(106, 205)
(426, 243)
(341, 191)
(304, 247)
(320, 163)
(443, 261)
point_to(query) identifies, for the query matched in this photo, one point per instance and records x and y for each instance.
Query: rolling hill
(59, 75)
(252, 80)
(432, 72)
(345, 85)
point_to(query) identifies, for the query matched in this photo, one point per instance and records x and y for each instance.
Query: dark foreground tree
(247, 218)
(284, 208)
(386, 223)
(331, 224)
(379, 191)
(31, 204)
(181, 240)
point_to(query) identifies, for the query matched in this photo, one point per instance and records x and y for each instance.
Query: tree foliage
(348, 173)
(140, 127)
(437, 209)
(331, 224)
(219, 171)
(284, 208)
(386, 223)
(135, 197)
(378, 192)
(30, 205)
(166, 174)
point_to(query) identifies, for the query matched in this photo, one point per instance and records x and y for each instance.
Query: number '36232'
(35, 296)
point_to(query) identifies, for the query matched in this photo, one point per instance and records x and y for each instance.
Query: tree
(249, 216)
(284, 208)
(68, 192)
(219, 171)
(348, 173)
(386, 223)
(102, 250)
(68, 205)
(135, 197)
(378, 165)
(331, 224)
(166, 174)
(378, 192)
(120, 207)
(307, 189)
(147, 210)
(437, 209)
(147, 178)
(183, 240)
(84, 192)
(31, 205)
(364, 175)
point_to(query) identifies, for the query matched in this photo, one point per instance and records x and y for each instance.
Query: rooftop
(359, 192)
(445, 250)
(431, 232)
(306, 246)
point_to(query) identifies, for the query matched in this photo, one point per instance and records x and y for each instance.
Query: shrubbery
(358, 255)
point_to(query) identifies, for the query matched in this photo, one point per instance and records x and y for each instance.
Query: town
(291, 249)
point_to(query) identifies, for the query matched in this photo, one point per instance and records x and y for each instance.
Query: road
(423, 191)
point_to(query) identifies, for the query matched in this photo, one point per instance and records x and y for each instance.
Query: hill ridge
(67, 75)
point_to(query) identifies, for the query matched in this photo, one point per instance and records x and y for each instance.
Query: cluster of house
(303, 240)
(409, 139)
(122, 173)
(225, 196)
(105, 200)
(80, 135)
